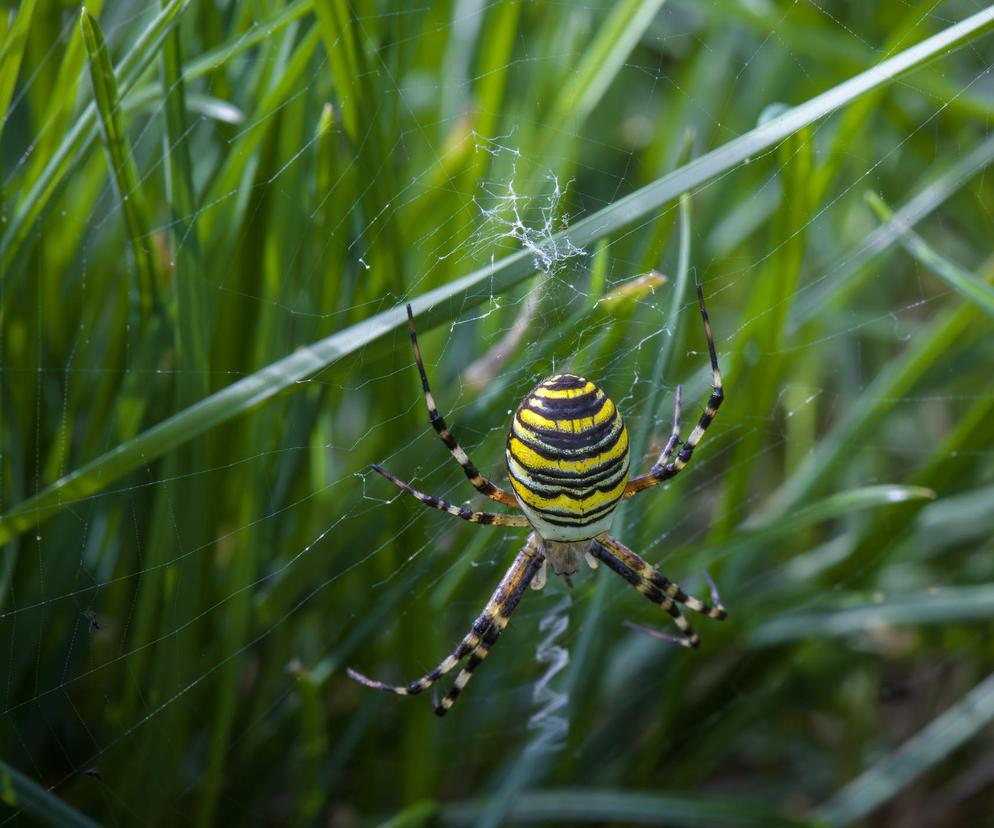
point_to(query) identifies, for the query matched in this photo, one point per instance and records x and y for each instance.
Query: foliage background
(195, 192)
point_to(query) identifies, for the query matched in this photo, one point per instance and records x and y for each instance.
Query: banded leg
(485, 631)
(665, 468)
(670, 446)
(487, 518)
(481, 483)
(504, 601)
(655, 586)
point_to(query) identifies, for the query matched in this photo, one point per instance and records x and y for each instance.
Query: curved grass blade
(939, 606)
(573, 805)
(833, 506)
(603, 59)
(11, 51)
(758, 140)
(458, 296)
(969, 286)
(26, 796)
(122, 161)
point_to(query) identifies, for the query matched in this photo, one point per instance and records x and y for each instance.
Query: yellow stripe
(529, 458)
(564, 394)
(531, 418)
(567, 504)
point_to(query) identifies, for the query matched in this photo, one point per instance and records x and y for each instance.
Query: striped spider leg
(656, 587)
(480, 483)
(483, 635)
(665, 468)
(432, 502)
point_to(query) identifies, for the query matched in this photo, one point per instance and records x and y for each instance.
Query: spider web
(138, 630)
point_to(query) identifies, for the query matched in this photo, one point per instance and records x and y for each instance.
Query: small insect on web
(568, 466)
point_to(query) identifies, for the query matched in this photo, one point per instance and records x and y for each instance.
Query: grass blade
(10, 56)
(833, 506)
(573, 805)
(122, 161)
(758, 140)
(28, 797)
(939, 606)
(964, 282)
(601, 62)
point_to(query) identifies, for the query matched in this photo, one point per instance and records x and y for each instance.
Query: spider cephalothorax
(568, 464)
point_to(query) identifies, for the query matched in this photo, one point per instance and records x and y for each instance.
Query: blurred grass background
(194, 549)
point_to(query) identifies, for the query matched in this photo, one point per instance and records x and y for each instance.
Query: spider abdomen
(567, 457)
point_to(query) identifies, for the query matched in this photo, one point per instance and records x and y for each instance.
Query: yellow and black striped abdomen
(567, 457)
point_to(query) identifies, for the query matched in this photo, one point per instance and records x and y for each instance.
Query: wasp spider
(567, 461)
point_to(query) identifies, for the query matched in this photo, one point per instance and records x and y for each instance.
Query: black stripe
(574, 409)
(576, 456)
(573, 493)
(573, 453)
(595, 474)
(565, 382)
(554, 516)
(555, 445)
(568, 439)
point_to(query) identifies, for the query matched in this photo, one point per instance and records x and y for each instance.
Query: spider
(568, 466)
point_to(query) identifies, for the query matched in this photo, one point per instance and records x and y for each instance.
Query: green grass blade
(243, 152)
(836, 505)
(188, 277)
(210, 61)
(604, 58)
(60, 108)
(890, 775)
(122, 162)
(461, 294)
(964, 282)
(576, 805)
(11, 52)
(24, 795)
(933, 606)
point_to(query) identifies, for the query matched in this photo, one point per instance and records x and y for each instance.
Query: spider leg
(488, 518)
(655, 586)
(670, 447)
(481, 483)
(484, 633)
(503, 602)
(665, 468)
